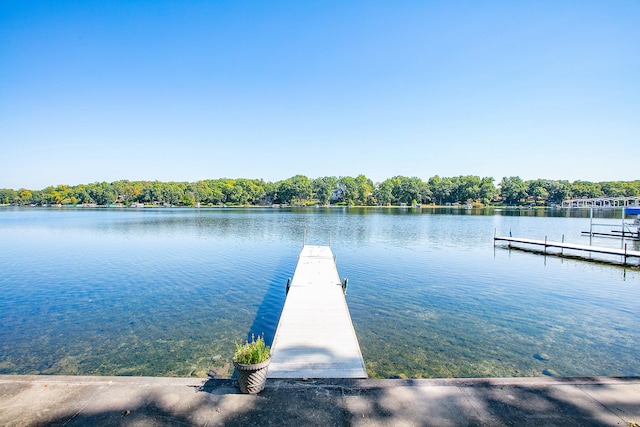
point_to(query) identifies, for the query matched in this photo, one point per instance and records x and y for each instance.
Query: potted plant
(251, 361)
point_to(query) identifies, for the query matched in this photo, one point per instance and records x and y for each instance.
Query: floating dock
(315, 337)
(624, 253)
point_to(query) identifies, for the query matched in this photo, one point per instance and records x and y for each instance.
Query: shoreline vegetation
(462, 191)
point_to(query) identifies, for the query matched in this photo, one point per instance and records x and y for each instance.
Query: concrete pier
(143, 401)
(315, 337)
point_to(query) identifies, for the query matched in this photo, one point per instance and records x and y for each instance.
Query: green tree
(402, 189)
(270, 190)
(469, 188)
(296, 189)
(558, 191)
(24, 196)
(613, 189)
(252, 190)
(126, 191)
(48, 196)
(189, 198)
(631, 188)
(172, 192)
(441, 189)
(216, 191)
(488, 190)
(236, 194)
(132, 191)
(347, 190)
(151, 192)
(226, 185)
(384, 192)
(101, 193)
(412, 189)
(585, 189)
(391, 190)
(7, 196)
(537, 189)
(63, 194)
(200, 191)
(81, 194)
(322, 188)
(364, 189)
(513, 190)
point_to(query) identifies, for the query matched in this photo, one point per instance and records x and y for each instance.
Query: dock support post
(562, 248)
(625, 254)
(591, 226)
(545, 244)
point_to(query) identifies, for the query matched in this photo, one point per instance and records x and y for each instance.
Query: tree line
(329, 190)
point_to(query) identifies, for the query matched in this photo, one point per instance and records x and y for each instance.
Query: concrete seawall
(141, 401)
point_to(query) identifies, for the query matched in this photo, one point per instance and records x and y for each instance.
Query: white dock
(625, 253)
(315, 336)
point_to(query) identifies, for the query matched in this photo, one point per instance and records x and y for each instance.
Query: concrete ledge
(70, 400)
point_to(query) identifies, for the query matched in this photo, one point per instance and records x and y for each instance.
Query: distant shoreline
(227, 206)
(299, 190)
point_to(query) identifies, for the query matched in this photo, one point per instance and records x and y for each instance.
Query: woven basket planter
(252, 378)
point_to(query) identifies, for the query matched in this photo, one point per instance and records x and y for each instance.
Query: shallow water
(163, 291)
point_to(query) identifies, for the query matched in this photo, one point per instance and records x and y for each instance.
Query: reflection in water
(168, 291)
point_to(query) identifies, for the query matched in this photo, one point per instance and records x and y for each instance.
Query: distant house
(337, 195)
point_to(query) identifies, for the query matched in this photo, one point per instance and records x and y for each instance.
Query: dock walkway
(625, 253)
(315, 337)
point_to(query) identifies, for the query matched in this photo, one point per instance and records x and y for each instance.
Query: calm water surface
(166, 292)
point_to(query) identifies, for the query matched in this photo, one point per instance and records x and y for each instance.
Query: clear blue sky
(186, 90)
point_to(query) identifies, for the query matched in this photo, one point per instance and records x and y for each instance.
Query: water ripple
(160, 292)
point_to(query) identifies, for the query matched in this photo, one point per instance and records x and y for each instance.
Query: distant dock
(625, 253)
(315, 337)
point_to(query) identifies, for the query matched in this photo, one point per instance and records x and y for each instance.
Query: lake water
(166, 292)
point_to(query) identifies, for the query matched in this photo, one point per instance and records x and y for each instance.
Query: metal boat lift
(627, 229)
